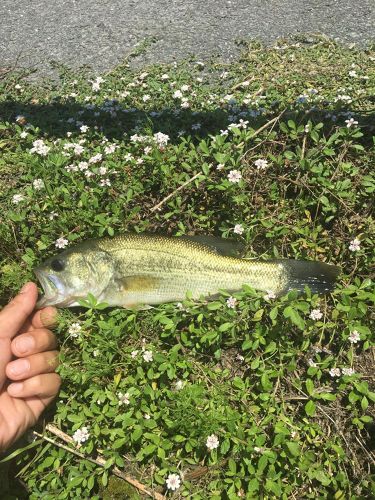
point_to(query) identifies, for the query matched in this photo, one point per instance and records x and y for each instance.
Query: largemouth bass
(137, 270)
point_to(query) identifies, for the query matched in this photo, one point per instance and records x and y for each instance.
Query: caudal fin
(318, 276)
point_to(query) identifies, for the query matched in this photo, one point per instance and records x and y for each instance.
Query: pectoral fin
(138, 307)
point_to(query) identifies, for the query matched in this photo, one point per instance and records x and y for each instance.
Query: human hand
(27, 362)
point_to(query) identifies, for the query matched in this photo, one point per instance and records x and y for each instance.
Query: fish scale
(137, 270)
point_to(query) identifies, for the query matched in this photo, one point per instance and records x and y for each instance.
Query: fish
(143, 270)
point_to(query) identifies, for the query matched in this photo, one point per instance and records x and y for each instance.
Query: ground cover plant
(244, 396)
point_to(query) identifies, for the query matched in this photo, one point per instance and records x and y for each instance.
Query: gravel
(100, 33)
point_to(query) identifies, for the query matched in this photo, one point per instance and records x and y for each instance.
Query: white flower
(40, 148)
(52, 215)
(351, 122)
(335, 372)
(185, 104)
(161, 139)
(353, 74)
(110, 149)
(177, 94)
(146, 98)
(142, 76)
(173, 482)
(311, 363)
(133, 354)
(220, 166)
(84, 128)
(212, 442)
(96, 83)
(81, 435)
(347, 371)
(147, 356)
(75, 329)
(355, 245)
(164, 77)
(179, 385)
(269, 295)
(104, 182)
(78, 149)
(345, 98)
(83, 165)
(199, 79)
(185, 88)
(147, 416)
(18, 86)
(61, 243)
(246, 83)
(234, 176)
(316, 314)
(307, 128)
(96, 158)
(38, 184)
(301, 99)
(102, 170)
(243, 124)
(96, 353)
(261, 164)
(23, 134)
(123, 399)
(238, 229)
(17, 198)
(223, 133)
(231, 302)
(354, 337)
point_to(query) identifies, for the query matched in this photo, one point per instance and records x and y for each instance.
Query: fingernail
(26, 287)
(25, 344)
(15, 388)
(48, 317)
(18, 367)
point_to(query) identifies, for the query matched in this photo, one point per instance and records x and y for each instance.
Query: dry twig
(98, 460)
(157, 207)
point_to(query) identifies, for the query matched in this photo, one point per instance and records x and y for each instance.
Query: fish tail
(318, 276)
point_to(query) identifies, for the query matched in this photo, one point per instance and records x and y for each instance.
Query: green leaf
(309, 386)
(320, 476)
(364, 403)
(294, 448)
(294, 317)
(310, 408)
(225, 326)
(258, 315)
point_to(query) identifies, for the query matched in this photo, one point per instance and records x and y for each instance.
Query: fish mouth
(53, 292)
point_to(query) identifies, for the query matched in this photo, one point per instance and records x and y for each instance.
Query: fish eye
(57, 265)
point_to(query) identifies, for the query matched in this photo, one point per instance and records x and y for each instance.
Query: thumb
(13, 316)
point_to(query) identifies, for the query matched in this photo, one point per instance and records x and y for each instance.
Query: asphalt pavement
(100, 33)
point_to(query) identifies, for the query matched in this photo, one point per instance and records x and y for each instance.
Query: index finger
(14, 315)
(43, 318)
